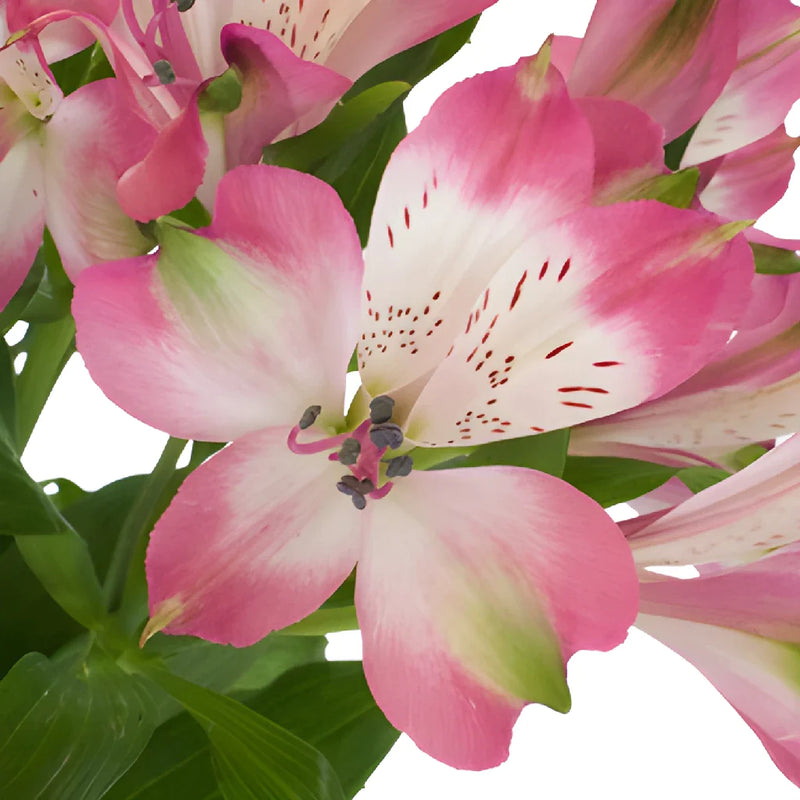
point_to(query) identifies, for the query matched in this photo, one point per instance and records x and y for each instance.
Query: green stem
(135, 525)
(49, 347)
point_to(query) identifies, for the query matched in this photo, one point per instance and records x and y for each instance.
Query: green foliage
(83, 67)
(775, 260)
(327, 704)
(615, 480)
(546, 452)
(252, 756)
(674, 150)
(69, 730)
(699, 478)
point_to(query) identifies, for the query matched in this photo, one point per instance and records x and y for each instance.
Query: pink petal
(736, 627)
(67, 37)
(761, 89)
(235, 328)
(749, 393)
(278, 89)
(752, 179)
(733, 521)
(499, 157)
(474, 589)
(256, 539)
(88, 144)
(629, 300)
(21, 212)
(629, 145)
(565, 51)
(167, 178)
(386, 27)
(672, 65)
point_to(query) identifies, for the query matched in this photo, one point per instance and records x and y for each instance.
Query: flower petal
(474, 589)
(669, 58)
(500, 156)
(750, 180)
(24, 69)
(21, 212)
(278, 89)
(749, 393)
(256, 538)
(235, 328)
(169, 174)
(89, 143)
(741, 629)
(761, 89)
(734, 521)
(604, 286)
(386, 27)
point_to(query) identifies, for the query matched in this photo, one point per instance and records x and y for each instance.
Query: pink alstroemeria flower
(294, 59)
(749, 393)
(729, 64)
(739, 622)
(60, 160)
(495, 302)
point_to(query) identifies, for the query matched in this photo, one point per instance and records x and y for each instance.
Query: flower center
(362, 451)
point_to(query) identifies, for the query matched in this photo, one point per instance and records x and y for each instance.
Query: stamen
(381, 409)
(399, 467)
(382, 492)
(359, 501)
(351, 449)
(309, 417)
(184, 5)
(386, 435)
(164, 71)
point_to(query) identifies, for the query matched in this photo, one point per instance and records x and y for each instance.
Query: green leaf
(194, 214)
(745, 456)
(254, 759)
(699, 478)
(8, 396)
(615, 480)
(356, 169)
(53, 295)
(24, 507)
(674, 150)
(775, 260)
(546, 452)
(328, 704)
(86, 66)
(307, 152)
(69, 731)
(414, 64)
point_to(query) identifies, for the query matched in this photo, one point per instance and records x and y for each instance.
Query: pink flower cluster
(522, 275)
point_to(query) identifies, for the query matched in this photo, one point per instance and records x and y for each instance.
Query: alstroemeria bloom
(494, 303)
(749, 393)
(739, 622)
(60, 160)
(294, 59)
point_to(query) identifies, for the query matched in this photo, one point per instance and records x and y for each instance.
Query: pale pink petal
(629, 145)
(752, 179)
(474, 589)
(736, 520)
(672, 65)
(628, 301)
(88, 144)
(385, 27)
(664, 497)
(167, 178)
(24, 69)
(761, 89)
(21, 212)
(749, 393)
(741, 629)
(256, 539)
(240, 326)
(278, 89)
(64, 38)
(499, 156)
(760, 237)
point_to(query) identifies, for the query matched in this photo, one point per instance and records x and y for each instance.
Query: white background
(644, 723)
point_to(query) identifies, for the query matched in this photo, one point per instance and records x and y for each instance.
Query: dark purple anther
(399, 467)
(309, 417)
(351, 449)
(386, 435)
(381, 409)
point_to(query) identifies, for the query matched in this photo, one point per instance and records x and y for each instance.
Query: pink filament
(319, 446)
